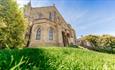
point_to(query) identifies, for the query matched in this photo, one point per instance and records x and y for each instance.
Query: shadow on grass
(35, 58)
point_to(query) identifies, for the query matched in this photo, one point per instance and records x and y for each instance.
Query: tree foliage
(91, 38)
(12, 24)
(106, 42)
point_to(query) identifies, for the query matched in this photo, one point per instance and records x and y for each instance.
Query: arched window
(38, 34)
(50, 33)
(40, 15)
(50, 16)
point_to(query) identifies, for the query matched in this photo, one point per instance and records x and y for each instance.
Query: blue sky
(85, 16)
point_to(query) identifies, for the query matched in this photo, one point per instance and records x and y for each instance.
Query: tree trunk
(30, 34)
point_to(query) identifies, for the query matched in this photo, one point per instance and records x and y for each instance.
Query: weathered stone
(46, 18)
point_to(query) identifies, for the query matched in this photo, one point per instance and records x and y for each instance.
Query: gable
(49, 12)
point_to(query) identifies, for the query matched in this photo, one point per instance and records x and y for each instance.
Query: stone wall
(40, 18)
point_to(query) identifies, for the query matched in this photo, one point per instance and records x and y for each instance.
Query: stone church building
(48, 27)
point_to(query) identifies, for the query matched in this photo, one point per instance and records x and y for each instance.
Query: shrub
(13, 23)
(101, 43)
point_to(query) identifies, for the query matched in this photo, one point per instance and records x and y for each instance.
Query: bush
(12, 31)
(101, 43)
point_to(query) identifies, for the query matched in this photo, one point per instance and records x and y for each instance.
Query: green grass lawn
(55, 58)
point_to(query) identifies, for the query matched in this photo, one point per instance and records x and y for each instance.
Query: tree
(27, 9)
(106, 41)
(91, 38)
(101, 42)
(12, 32)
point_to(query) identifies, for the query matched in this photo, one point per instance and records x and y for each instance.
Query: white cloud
(21, 3)
(35, 3)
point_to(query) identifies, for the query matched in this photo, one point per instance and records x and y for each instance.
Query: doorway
(65, 39)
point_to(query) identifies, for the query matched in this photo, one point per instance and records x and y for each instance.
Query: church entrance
(65, 39)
